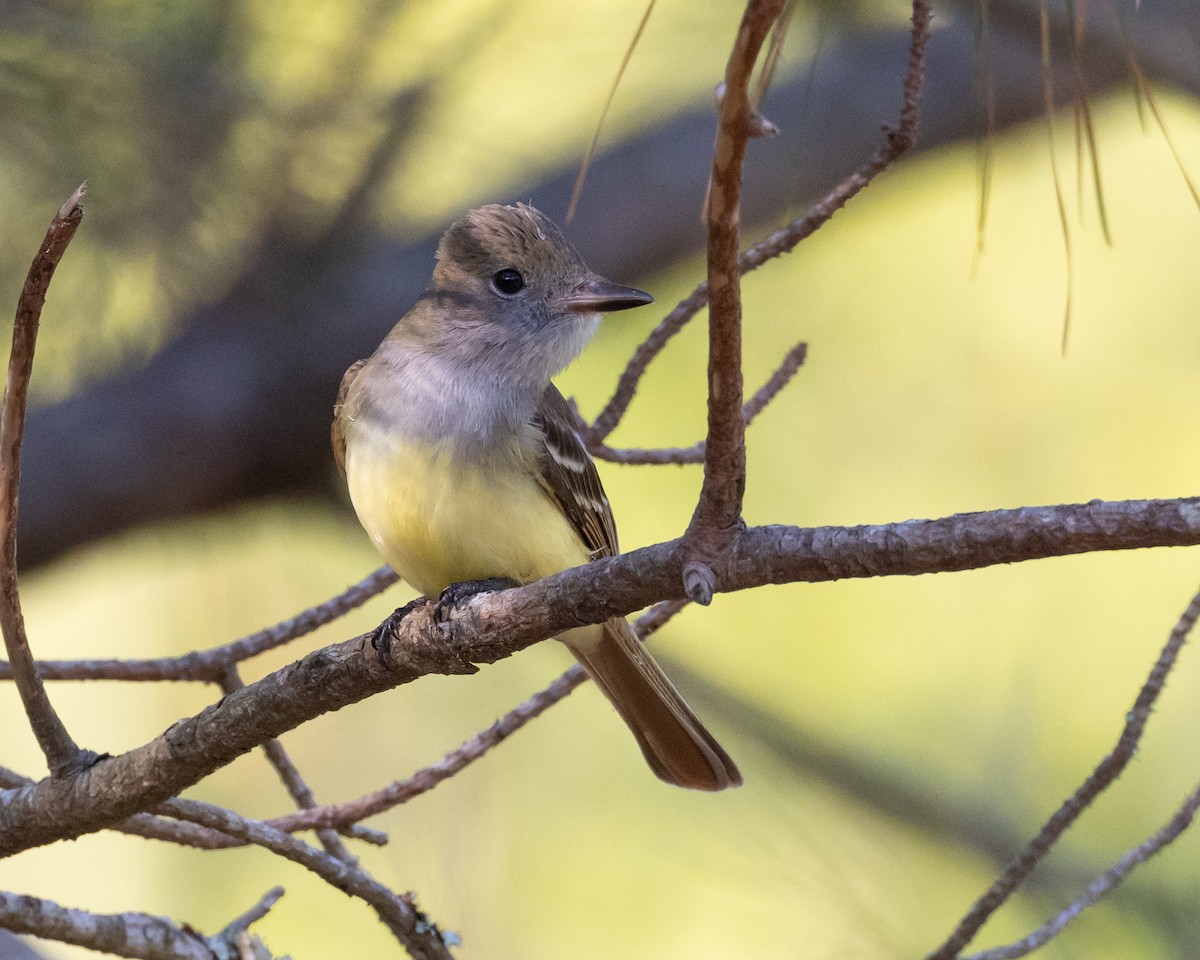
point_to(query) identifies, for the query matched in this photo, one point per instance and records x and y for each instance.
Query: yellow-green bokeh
(934, 385)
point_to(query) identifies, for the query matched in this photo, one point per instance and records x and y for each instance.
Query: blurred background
(268, 181)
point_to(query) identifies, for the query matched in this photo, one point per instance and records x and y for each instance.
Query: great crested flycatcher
(463, 460)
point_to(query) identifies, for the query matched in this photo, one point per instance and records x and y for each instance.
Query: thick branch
(492, 626)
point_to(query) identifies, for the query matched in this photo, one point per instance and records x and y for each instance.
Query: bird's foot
(457, 593)
(385, 633)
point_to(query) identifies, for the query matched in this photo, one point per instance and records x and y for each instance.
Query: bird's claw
(385, 633)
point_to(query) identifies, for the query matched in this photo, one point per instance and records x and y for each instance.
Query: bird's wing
(568, 474)
(336, 436)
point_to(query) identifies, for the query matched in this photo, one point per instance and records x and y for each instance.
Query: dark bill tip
(594, 294)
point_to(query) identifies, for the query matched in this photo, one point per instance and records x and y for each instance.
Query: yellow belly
(438, 520)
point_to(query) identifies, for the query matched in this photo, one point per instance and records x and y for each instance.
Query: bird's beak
(594, 294)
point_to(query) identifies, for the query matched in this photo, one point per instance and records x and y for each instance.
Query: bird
(464, 462)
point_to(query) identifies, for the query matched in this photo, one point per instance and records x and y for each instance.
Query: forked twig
(243, 921)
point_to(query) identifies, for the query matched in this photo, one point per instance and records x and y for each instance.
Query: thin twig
(207, 665)
(419, 935)
(63, 756)
(577, 190)
(695, 453)
(428, 777)
(897, 140)
(289, 774)
(425, 779)
(149, 827)
(243, 922)
(1103, 885)
(1105, 773)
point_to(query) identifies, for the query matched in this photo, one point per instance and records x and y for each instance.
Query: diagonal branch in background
(719, 510)
(489, 627)
(62, 754)
(1103, 776)
(1102, 885)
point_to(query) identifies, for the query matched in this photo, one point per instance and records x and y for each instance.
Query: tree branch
(719, 509)
(186, 834)
(137, 935)
(489, 627)
(1105, 773)
(1101, 886)
(208, 665)
(695, 453)
(718, 512)
(401, 791)
(62, 754)
(419, 936)
(241, 923)
(289, 774)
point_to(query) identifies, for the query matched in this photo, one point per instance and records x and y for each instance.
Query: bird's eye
(508, 281)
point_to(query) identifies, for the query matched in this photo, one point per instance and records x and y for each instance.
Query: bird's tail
(678, 747)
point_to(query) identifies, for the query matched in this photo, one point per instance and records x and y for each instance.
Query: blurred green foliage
(935, 384)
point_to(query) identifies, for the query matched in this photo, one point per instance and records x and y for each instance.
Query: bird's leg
(455, 594)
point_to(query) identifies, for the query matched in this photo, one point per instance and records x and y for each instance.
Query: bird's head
(510, 293)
